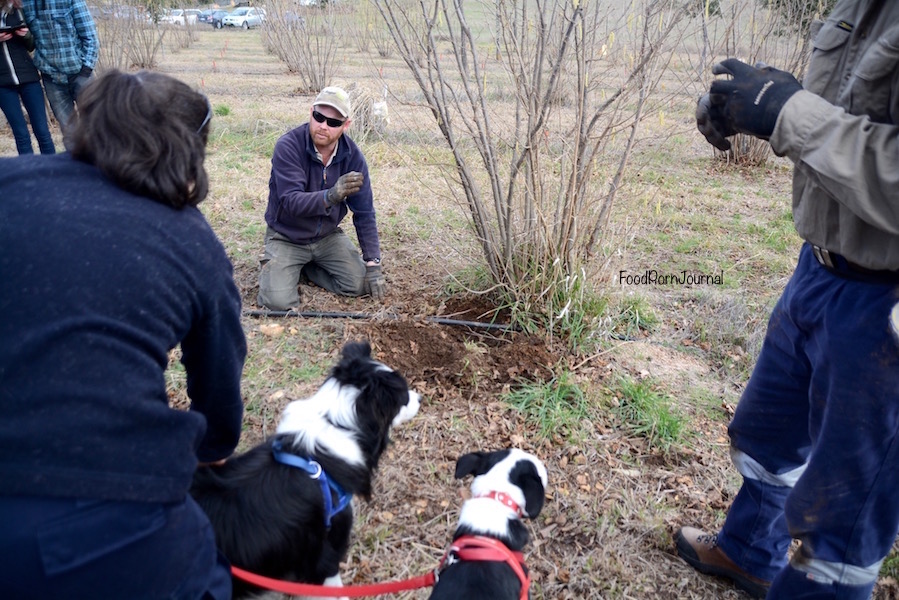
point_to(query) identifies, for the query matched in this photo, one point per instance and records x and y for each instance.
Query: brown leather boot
(701, 551)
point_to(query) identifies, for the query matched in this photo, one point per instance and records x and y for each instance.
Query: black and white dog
(485, 560)
(282, 509)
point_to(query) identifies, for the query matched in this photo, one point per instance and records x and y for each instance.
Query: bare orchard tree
(541, 158)
(305, 38)
(129, 36)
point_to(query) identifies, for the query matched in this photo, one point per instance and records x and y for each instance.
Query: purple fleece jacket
(296, 200)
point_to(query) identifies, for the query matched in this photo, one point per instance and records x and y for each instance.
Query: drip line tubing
(368, 316)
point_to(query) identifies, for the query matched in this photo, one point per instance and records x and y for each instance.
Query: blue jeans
(333, 263)
(816, 438)
(62, 96)
(84, 549)
(32, 96)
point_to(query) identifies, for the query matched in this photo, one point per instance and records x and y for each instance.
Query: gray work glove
(375, 284)
(347, 185)
(750, 101)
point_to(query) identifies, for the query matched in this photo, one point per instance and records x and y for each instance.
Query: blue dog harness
(315, 471)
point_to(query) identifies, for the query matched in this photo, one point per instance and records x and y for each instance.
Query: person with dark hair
(66, 50)
(107, 267)
(816, 433)
(20, 83)
(318, 176)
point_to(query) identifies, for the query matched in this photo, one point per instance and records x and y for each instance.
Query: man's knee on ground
(278, 299)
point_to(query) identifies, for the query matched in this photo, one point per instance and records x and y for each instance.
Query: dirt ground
(612, 505)
(587, 541)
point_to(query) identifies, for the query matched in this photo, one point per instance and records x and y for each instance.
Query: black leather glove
(347, 185)
(752, 99)
(711, 123)
(375, 283)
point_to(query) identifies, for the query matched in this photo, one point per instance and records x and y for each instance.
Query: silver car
(245, 17)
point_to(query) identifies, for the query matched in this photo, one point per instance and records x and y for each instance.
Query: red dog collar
(505, 500)
(478, 547)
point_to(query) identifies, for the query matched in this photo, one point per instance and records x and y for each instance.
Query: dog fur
(521, 478)
(269, 517)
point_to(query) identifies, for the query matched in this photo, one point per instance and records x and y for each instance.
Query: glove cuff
(332, 198)
(773, 101)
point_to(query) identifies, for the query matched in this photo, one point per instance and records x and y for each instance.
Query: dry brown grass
(613, 503)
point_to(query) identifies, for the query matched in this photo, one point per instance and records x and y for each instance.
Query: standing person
(20, 82)
(107, 266)
(318, 175)
(816, 433)
(66, 50)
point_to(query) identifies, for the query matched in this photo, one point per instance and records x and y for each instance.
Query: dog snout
(409, 410)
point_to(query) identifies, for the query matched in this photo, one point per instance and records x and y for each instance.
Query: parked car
(192, 16)
(245, 16)
(205, 16)
(216, 19)
(168, 15)
(180, 16)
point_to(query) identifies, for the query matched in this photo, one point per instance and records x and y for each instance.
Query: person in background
(66, 50)
(816, 433)
(107, 266)
(318, 175)
(20, 83)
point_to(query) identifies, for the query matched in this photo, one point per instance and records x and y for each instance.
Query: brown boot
(701, 551)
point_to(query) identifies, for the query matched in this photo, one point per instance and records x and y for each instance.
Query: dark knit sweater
(96, 287)
(296, 199)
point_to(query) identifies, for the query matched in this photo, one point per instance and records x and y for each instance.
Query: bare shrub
(180, 36)
(370, 117)
(306, 38)
(129, 38)
(540, 171)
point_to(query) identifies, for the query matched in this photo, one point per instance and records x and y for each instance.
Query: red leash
(469, 547)
(322, 591)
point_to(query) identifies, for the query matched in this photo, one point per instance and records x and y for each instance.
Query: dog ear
(473, 463)
(526, 477)
(356, 350)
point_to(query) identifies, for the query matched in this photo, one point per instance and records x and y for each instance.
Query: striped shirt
(64, 35)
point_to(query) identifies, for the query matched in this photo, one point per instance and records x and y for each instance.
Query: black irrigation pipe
(362, 316)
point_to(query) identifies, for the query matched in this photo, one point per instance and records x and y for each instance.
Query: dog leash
(469, 547)
(324, 591)
(479, 547)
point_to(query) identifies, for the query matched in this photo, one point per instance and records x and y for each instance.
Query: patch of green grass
(632, 316)
(473, 277)
(890, 566)
(574, 311)
(555, 407)
(647, 412)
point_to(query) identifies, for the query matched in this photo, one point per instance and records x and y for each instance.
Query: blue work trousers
(31, 95)
(88, 549)
(816, 438)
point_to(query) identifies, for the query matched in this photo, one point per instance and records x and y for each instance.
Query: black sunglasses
(335, 123)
